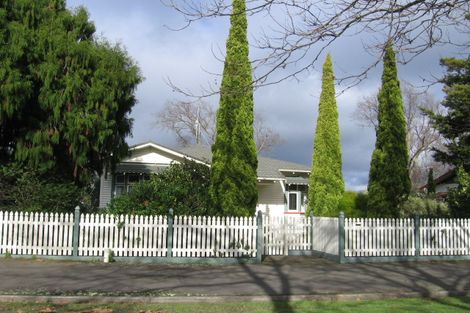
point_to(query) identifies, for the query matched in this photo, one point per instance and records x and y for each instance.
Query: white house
(444, 183)
(282, 185)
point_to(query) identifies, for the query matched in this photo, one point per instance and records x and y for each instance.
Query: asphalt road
(277, 276)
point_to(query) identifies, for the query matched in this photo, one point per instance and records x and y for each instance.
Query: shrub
(26, 190)
(184, 187)
(353, 204)
(459, 198)
(425, 206)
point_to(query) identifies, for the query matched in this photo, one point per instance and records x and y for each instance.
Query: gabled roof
(444, 178)
(267, 167)
(171, 151)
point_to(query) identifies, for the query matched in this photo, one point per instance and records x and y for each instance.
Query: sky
(190, 56)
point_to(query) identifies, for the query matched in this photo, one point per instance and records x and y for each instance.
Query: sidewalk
(276, 278)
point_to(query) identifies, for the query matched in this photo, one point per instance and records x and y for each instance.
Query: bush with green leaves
(425, 206)
(184, 187)
(353, 204)
(459, 198)
(26, 190)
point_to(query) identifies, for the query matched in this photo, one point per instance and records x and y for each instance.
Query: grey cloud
(289, 107)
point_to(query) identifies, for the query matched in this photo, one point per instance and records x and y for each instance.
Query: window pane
(120, 179)
(119, 190)
(292, 202)
(133, 178)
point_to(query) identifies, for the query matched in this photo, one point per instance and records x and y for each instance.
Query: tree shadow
(280, 300)
(411, 276)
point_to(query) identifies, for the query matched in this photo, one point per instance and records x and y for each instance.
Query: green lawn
(399, 305)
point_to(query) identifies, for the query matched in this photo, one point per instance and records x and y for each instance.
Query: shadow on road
(279, 299)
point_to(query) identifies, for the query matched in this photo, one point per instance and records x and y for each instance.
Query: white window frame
(298, 201)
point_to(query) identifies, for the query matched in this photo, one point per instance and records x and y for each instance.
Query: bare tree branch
(194, 123)
(299, 31)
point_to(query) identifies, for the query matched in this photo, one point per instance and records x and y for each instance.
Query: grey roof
(267, 167)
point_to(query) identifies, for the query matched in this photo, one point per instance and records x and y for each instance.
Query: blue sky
(290, 108)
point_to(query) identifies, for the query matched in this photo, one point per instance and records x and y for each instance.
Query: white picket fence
(444, 236)
(284, 233)
(36, 233)
(214, 236)
(125, 235)
(228, 237)
(384, 237)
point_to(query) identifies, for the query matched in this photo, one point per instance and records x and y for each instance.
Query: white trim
(298, 202)
(269, 178)
(167, 150)
(292, 170)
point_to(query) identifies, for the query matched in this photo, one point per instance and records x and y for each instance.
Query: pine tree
(389, 181)
(233, 187)
(65, 96)
(431, 185)
(326, 186)
(454, 125)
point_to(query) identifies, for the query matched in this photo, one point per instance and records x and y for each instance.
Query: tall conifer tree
(431, 185)
(389, 181)
(326, 186)
(233, 187)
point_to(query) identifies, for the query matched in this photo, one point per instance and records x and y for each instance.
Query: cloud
(291, 107)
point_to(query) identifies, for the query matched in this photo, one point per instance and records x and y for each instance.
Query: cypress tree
(389, 181)
(431, 185)
(233, 188)
(326, 186)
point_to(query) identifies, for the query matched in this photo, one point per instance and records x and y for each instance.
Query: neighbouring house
(443, 183)
(282, 185)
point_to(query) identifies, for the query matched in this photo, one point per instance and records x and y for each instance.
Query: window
(293, 201)
(124, 182)
(120, 186)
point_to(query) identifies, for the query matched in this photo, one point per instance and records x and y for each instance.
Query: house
(282, 185)
(443, 183)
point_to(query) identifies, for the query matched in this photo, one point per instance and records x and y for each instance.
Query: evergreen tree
(431, 185)
(454, 125)
(459, 198)
(64, 95)
(326, 185)
(389, 181)
(233, 186)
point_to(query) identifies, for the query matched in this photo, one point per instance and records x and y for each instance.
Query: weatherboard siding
(271, 198)
(106, 189)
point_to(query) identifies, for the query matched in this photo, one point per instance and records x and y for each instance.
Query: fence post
(259, 237)
(312, 218)
(417, 236)
(76, 231)
(169, 235)
(341, 237)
